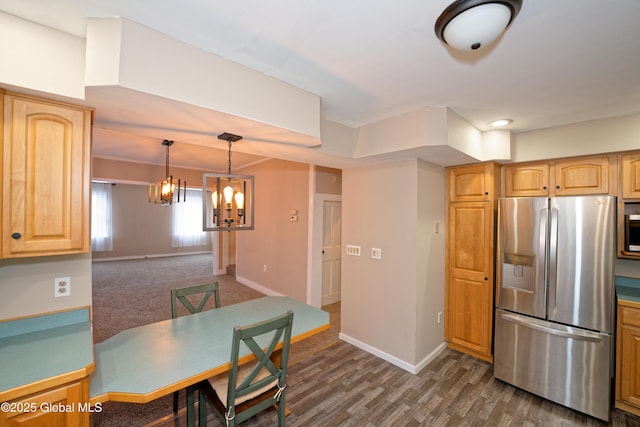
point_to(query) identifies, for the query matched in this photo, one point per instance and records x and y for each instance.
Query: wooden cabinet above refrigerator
(564, 177)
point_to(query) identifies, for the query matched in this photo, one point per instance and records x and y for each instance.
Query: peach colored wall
(277, 244)
(328, 180)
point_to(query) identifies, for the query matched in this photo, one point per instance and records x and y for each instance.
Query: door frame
(314, 250)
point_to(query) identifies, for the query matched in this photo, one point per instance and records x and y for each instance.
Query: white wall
(37, 57)
(124, 53)
(578, 139)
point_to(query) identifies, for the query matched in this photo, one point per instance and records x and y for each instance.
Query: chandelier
(227, 199)
(167, 192)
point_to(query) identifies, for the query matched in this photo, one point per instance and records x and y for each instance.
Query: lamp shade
(471, 24)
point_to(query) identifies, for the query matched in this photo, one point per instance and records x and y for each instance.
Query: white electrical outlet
(264, 267)
(376, 253)
(62, 287)
(439, 317)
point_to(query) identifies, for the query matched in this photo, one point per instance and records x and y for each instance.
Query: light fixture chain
(167, 163)
(229, 165)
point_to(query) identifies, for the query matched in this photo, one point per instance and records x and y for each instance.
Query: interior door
(331, 251)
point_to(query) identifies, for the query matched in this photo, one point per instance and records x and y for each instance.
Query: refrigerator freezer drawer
(566, 365)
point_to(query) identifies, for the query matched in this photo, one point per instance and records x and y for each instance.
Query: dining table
(144, 363)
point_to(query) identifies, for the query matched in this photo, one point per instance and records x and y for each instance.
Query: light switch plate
(353, 250)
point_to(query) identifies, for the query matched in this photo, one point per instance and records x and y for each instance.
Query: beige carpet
(131, 293)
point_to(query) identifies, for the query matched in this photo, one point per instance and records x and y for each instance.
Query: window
(101, 225)
(187, 221)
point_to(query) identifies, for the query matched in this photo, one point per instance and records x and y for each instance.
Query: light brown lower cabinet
(63, 406)
(469, 287)
(628, 357)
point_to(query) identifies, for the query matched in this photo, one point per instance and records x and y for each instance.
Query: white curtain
(101, 224)
(187, 221)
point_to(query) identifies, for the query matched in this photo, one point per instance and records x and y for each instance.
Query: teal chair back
(258, 385)
(203, 292)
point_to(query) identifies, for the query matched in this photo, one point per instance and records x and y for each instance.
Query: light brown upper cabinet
(581, 176)
(630, 176)
(569, 177)
(526, 180)
(473, 183)
(46, 181)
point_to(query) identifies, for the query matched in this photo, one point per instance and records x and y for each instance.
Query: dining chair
(199, 294)
(250, 388)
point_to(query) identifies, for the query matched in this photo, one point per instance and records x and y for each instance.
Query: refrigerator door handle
(553, 257)
(561, 331)
(541, 288)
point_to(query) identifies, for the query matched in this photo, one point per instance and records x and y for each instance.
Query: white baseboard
(126, 258)
(414, 369)
(258, 287)
(431, 356)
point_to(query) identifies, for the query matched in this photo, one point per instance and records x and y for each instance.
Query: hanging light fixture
(471, 24)
(227, 199)
(168, 191)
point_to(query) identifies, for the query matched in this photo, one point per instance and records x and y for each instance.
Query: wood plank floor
(345, 386)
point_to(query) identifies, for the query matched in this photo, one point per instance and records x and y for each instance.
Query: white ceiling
(561, 61)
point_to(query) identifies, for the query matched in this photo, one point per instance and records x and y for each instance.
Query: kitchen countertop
(33, 350)
(628, 288)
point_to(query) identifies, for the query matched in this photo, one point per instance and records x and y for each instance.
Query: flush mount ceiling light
(501, 122)
(164, 192)
(471, 24)
(227, 199)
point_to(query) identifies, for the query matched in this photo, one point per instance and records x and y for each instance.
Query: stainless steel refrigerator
(554, 316)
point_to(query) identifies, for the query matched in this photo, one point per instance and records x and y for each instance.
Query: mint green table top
(38, 348)
(144, 363)
(628, 288)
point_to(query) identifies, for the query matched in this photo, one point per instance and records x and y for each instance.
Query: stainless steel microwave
(632, 232)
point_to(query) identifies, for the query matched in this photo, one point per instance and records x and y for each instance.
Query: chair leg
(202, 410)
(175, 402)
(281, 411)
(191, 416)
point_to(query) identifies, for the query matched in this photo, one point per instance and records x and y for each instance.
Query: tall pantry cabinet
(46, 177)
(472, 194)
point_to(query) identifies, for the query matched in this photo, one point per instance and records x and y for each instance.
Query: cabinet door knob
(16, 236)
(486, 193)
(557, 187)
(544, 188)
(486, 278)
